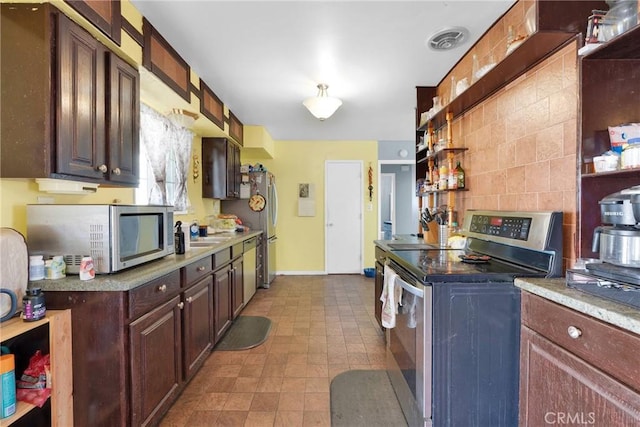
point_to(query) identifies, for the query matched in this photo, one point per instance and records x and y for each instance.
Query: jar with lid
(33, 307)
(36, 267)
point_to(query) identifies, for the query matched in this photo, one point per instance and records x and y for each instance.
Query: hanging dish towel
(388, 298)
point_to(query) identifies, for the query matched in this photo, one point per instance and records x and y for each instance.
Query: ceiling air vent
(448, 38)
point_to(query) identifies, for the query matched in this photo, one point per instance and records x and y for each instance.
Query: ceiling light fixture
(448, 38)
(322, 106)
(182, 118)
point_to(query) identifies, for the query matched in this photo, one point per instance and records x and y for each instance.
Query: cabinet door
(214, 168)
(557, 387)
(81, 136)
(237, 287)
(379, 282)
(156, 362)
(197, 325)
(233, 171)
(222, 301)
(105, 15)
(124, 122)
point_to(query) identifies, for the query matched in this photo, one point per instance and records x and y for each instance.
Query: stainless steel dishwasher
(249, 269)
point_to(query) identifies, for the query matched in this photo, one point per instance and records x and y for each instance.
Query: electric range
(500, 246)
(453, 351)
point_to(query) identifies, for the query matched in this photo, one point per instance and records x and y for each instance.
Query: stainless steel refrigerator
(258, 209)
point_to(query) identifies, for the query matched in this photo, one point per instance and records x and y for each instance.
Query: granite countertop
(620, 315)
(139, 275)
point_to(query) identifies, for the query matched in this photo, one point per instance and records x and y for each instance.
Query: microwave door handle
(409, 288)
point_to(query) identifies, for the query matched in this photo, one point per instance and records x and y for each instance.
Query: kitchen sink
(407, 246)
(209, 241)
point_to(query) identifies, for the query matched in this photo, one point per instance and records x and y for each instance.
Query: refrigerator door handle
(274, 202)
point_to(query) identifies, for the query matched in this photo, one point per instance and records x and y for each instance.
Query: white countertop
(620, 315)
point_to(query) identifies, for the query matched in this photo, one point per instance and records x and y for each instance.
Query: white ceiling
(263, 58)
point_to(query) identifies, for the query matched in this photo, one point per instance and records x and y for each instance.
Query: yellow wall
(301, 239)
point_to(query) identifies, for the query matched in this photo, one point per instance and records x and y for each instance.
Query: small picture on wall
(303, 191)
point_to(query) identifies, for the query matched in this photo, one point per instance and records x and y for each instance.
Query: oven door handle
(409, 288)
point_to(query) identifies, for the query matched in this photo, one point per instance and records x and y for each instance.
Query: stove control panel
(509, 227)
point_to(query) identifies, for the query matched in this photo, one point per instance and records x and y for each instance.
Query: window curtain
(168, 150)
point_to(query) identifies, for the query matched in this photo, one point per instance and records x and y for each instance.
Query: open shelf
(534, 49)
(624, 46)
(438, 154)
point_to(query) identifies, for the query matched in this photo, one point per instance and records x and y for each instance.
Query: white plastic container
(36, 267)
(606, 163)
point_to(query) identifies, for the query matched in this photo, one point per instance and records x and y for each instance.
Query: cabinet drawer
(221, 258)
(148, 296)
(608, 348)
(196, 270)
(237, 250)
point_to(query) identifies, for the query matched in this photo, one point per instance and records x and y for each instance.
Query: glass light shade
(182, 118)
(322, 106)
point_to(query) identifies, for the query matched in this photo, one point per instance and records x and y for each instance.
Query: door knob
(103, 168)
(116, 171)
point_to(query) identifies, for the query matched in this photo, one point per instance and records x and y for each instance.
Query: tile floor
(322, 326)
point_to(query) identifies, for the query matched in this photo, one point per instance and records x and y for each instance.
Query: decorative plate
(257, 202)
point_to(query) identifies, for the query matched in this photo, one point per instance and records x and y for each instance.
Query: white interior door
(343, 217)
(387, 201)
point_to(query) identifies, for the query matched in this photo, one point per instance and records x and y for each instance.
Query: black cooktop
(453, 265)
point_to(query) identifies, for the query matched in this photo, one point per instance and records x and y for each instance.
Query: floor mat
(245, 332)
(364, 398)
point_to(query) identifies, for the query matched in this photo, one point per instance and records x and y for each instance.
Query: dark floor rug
(245, 332)
(364, 398)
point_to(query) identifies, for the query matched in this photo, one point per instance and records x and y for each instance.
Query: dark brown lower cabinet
(575, 370)
(156, 361)
(197, 325)
(379, 283)
(221, 298)
(237, 287)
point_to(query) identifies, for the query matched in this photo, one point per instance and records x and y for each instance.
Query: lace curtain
(168, 153)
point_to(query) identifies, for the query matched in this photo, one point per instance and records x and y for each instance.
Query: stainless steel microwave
(115, 236)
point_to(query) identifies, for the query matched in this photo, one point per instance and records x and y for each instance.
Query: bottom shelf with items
(59, 346)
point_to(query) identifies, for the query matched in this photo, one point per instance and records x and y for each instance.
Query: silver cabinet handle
(103, 168)
(116, 171)
(162, 288)
(201, 268)
(189, 300)
(180, 305)
(574, 332)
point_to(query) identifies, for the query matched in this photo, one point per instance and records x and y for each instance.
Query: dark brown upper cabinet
(211, 106)
(557, 23)
(105, 15)
(220, 169)
(235, 129)
(70, 106)
(162, 60)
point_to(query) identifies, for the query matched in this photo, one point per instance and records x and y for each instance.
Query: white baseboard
(301, 273)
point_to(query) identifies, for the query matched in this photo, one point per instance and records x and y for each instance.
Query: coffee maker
(618, 242)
